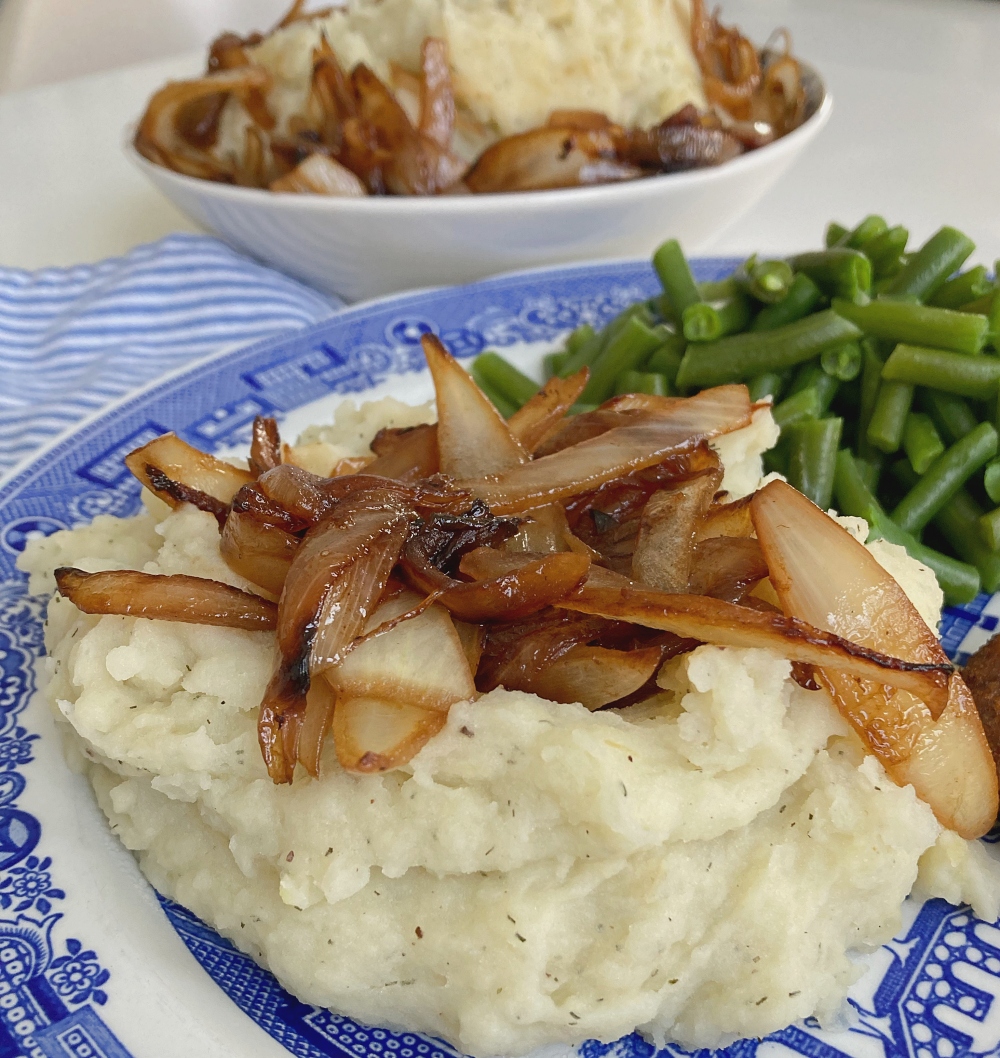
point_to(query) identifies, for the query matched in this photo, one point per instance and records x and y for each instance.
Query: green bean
(642, 382)
(991, 480)
(981, 305)
(577, 337)
(870, 469)
(552, 362)
(839, 272)
(943, 253)
(812, 458)
(497, 397)
(959, 523)
(843, 362)
(806, 404)
(591, 347)
(960, 581)
(624, 352)
(989, 529)
(506, 378)
(952, 415)
(959, 291)
(719, 289)
(742, 356)
(870, 228)
(667, 358)
(904, 473)
(675, 276)
(944, 477)
(834, 233)
(993, 318)
(767, 281)
(892, 405)
(921, 441)
(812, 376)
(871, 379)
(705, 322)
(802, 298)
(966, 376)
(770, 384)
(885, 252)
(907, 321)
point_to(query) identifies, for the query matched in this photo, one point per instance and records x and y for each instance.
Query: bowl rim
(515, 201)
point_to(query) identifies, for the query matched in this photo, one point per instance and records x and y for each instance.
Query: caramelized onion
(259, 552)
(265, 445)
(179, 463)
(437, 99)
(406, 454)
(374, 735)
(320, 175)
(726, 568)
(160, 597)
(594, 676)
(619, 451)
(724, 624)
(543, 414)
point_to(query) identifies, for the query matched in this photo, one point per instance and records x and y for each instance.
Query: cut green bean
(768, 281)
(871, 379)
(993, 319)
(707, 322)
(944, 477)
(576, 338)
(870, 228)
(624, 352)
(907, 321)
(965, 376)
(770, 384)
(989, 529)
(959, 291)
(834, 233)
(719, 289)
(497, 397)
(885, 252)
(506, 378)
(952, 416)
(921, 441)
(802, 298)
(812, 376)
(904, 473)
(806, 404)
(843, 362)
(839, 272)
(675, 276)
(552, 362)
(870, 469)
(742, 356)
(991, 480)
(853, 494)
(812, 458)
(667, 358)
(943, 253)
(888, 418)
(959, 523)
(642, 382)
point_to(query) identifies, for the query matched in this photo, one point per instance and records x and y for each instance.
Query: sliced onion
(543, 414)
(593, 676)
(727, 519)
(374, 736)
(726, 567)
(259, 552)
(181, 463)
(161, 597)
(320, 175)
(437, 99)
(473, 438)
(317, 716)
(619, 451)
(724, 624)
(265, 445)
(406, 455)
(821, 573)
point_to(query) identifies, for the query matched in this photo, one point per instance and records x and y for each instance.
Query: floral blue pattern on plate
(932, 993)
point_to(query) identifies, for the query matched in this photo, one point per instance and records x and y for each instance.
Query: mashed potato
(513, 61)
(700, 866)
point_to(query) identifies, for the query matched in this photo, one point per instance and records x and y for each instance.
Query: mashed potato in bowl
(701, 866)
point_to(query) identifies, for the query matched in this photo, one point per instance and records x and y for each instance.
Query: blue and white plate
(93, 964)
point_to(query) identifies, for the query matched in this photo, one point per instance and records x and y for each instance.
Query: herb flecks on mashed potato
(700, 865)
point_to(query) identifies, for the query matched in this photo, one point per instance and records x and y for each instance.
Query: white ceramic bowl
(362, 248)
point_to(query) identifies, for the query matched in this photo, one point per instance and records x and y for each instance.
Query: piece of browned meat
(982, 674)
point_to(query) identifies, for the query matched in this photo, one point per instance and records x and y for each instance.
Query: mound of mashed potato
(513, 61)
(701, 866)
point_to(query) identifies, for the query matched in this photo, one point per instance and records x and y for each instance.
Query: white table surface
(915, 135)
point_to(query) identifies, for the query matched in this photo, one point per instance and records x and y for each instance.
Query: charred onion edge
(181, 493)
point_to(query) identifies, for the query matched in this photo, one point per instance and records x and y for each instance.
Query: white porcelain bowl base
(363, 248)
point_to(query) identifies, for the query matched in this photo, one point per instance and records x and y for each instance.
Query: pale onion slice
(473, 639)
(181, 463)
(619, 451)
(320, 175)
(726, 567)
(725, 624)
(161, 597)
(473, 438)
(437, 98)
(727, 519)
(373, 735)
(420, 661)
(822, 574)
(664, 547)
(594, 676)
(543, 414)
(259, 552)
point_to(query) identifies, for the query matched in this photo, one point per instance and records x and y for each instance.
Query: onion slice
(473, 438)
(181, 463)
(593, 676)
(822, 574)
(725, 624)
(619, 451)
(259, 552)
(265, 445)
(543, 414)
(162, 597)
